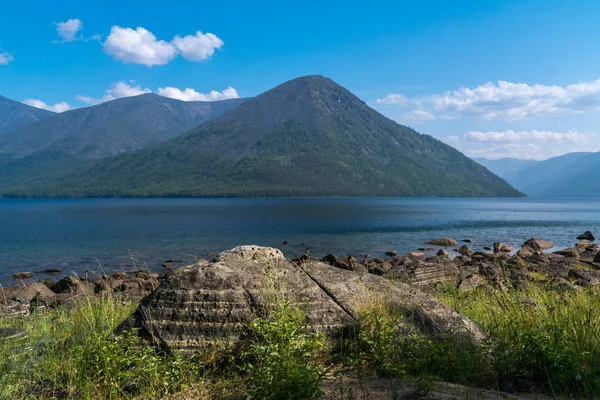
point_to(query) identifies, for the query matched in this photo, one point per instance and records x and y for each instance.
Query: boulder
(24, 292)
(583, 244)
(19, 276)
(538, 244)
(424, 315)
(336, 261)
(391, 253)
(571, 252)
(500, 247)
(587, 235)
(442, 253)
(465, 250)
(50, 271)
(73, 285)
(216, 302)
(446, 242)
(471, 282)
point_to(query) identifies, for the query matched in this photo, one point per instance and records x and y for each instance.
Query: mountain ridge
(15, 115)
(305, 137)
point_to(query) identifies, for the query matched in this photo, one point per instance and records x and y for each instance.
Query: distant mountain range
(63, 142)
(306, 137)
(14, 115)
(569, 175)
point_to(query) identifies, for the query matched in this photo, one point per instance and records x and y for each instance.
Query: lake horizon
(113, 234)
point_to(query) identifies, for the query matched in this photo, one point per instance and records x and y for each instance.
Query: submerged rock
(19, 276)
(446, 242)
(211, 302)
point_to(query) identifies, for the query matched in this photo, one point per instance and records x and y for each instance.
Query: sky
(492, 78)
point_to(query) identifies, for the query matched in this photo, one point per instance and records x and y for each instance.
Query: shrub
(282, 358)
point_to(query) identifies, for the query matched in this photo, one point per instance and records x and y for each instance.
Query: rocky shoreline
(567, 269)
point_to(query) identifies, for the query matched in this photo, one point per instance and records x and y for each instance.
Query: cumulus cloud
(140, 46)
(506, 100)
(524, 136)
(418, 116)
(5, 57)
(58, 107)
(191, 95)
(116, 91)
(199, 47)
(393, 98)
(68, 29)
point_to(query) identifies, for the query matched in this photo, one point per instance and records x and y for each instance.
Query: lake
(79, 235)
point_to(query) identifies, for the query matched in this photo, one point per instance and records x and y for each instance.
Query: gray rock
(441, 253)
(211, 302)
(446, 242)
(19, 276)
(538, 244)
(465, 250)
(391, 253)
(471, 282)
(24, 292)
(587, 235)
(500, 247)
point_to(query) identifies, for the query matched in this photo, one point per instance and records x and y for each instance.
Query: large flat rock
(216, 301)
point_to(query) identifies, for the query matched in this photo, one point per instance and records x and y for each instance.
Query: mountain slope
(57, 145)
(545, 171)
(306, 137)
(15, 115)
(569, 175)
(114, 127)
(504, 167)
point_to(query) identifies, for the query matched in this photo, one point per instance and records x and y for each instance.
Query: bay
(95, 236)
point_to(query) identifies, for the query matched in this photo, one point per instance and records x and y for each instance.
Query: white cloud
(138, 46)
(5, 57)
(199, 47)
(418, 116)
(393, 98)
(58, 107)
(68, 29)
(524, 136)
(191, 95)
(506, 100)
(116, 91)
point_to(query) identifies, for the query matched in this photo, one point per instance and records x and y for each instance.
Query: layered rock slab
(216, 301)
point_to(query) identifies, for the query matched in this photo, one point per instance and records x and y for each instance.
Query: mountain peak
(14, 114)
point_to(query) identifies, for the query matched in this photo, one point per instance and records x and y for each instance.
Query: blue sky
(492, 78)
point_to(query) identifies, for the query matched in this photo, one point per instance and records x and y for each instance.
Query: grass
(539, 336)
(551, 338)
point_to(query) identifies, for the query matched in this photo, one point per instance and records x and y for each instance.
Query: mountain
(306, 137)
(504, 167)
(569, 175)
(57, 144)
(14, 115)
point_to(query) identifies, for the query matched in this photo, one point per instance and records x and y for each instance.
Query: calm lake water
(124, 234)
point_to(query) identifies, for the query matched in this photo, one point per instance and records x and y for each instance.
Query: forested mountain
(14, 115)
(504, 167)
(569, 175)
(306, 137)
(64, 142)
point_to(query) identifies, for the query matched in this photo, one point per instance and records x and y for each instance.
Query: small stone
(50, 271)
(467, 240)
(22, 275)
(391, 253)
(487, 248)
